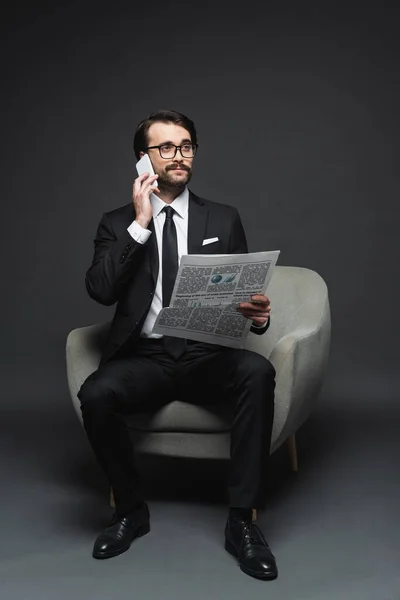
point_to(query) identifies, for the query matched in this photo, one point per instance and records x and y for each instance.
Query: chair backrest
(299, 298)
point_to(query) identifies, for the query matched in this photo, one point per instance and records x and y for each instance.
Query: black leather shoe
(245, 541)
(120, 533)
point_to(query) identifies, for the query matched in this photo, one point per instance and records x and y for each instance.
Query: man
(137, 249)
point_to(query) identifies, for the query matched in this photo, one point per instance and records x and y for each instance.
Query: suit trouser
(148, 378)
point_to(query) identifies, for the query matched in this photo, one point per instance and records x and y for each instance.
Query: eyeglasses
(169, 151)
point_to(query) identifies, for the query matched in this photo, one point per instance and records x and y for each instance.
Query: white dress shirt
(141, 235)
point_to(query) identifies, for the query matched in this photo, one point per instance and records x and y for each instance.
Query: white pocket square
(210, 241)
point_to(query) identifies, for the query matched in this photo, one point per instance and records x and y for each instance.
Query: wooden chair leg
(293, 452)
(254, 515)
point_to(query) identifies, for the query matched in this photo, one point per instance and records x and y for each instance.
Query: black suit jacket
(125, 271)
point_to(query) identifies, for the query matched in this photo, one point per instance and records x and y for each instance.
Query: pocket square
(209, 241)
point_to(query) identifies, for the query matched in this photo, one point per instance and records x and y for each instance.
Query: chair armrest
(83, 354)
(300, 360)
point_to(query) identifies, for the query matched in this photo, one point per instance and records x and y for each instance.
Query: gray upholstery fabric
(297, 344)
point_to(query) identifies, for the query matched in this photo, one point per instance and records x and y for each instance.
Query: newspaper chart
(207, 291)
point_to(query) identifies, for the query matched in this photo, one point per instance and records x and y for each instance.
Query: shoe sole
(139, 533)
(256, 574)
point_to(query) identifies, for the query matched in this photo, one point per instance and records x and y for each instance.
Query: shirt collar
(180, 204)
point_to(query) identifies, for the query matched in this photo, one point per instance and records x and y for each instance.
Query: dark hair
(161, 116)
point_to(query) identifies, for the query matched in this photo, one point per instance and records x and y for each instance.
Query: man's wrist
(143, 222)
(138, 233)
(258, 326)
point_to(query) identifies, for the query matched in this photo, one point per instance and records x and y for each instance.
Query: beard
(167, 179)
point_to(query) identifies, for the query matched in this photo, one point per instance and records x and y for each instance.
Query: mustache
(171, 167)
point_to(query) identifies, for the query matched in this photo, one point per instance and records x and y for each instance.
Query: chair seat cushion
(179, 416)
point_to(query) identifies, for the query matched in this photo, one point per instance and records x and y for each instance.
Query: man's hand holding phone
(143, 186)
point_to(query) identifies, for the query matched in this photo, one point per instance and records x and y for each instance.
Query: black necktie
(174, 346)
(169, 255)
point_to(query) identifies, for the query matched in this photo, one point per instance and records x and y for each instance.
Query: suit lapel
(198, 215)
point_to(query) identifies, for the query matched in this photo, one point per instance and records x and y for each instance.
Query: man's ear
(141, 154)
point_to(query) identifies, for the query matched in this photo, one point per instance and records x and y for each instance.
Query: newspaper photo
(207, 291)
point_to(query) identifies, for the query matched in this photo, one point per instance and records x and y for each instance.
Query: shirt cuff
(138, 233)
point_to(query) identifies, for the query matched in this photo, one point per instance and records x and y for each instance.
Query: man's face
(172, 172)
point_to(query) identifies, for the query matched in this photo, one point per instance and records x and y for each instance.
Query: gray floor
(334, 527)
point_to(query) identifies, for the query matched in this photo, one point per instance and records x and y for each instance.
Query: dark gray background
(298, 122)
(297, 111)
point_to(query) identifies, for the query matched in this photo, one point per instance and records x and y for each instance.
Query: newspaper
(207, 291)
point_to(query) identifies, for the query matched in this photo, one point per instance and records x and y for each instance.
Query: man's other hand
(258, 309)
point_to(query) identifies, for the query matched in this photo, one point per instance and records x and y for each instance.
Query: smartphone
(144, 166)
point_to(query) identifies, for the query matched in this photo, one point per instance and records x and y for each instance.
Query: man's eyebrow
(186, 140)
